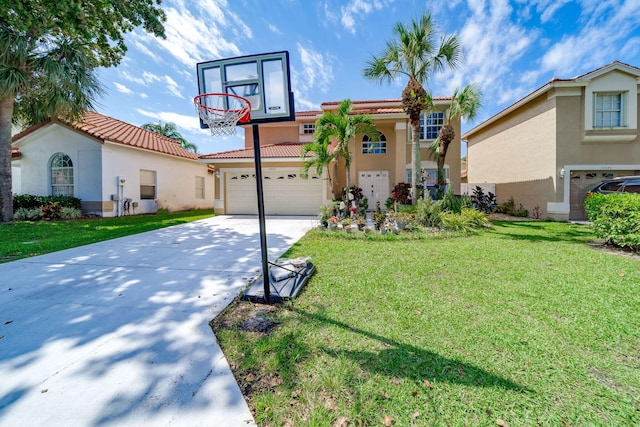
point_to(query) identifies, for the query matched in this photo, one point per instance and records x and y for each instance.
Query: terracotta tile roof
(280, 150)
(105, 128)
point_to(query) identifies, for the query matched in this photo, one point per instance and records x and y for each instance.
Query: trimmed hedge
(29, 201)
(616, 218)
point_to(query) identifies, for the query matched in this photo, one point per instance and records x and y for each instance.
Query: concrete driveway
(116, 333)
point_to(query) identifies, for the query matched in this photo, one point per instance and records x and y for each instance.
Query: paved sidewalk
(116, 333)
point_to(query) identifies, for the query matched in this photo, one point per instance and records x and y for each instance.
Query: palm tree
(342, 126)
(465, 104)
(170, 130)
(414, 53)
(40, 78)
(323, 155)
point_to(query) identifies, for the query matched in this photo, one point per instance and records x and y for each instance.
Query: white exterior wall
(175, 179)
(37, 150)
(98, 166)
(615, 81)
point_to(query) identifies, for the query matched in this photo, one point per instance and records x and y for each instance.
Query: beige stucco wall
(518, 154)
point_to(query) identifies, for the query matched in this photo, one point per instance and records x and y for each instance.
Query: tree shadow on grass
(542, 232)
(402, 360)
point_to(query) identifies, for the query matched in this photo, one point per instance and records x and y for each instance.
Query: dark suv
(623, 184)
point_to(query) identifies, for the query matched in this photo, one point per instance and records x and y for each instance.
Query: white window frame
(148, 180)
(307, 128)
(376, 147)
(437, 117)
(200, 187)
(61, 175)
(610, 111)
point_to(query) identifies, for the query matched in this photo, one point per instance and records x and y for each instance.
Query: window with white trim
(147, 184)
(199, 187)
(609, 110)
(430, 176)
(430, 124)
(374, 147)
(61, 172)
(308, 128)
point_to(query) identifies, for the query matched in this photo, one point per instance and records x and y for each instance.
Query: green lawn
(26, 239)
(524, 323)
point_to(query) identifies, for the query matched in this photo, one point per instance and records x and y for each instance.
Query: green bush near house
(509, 208)
(616, 218)
(30, 201)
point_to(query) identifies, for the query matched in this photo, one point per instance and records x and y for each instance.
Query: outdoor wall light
(562, 171)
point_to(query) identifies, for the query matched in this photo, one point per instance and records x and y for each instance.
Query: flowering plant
(334, 219)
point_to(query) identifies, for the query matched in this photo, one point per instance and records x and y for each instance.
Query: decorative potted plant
(378, 218)
(325, 213)
(332, 224)
(361, 222)
(346, 224)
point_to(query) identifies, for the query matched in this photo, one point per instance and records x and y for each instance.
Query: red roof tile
(105, 128)
(280, 150)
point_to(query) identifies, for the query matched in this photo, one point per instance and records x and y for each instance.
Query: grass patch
(523, 322)
(25, 239)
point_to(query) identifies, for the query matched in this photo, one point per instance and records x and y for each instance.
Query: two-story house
(376, 167)
(550, 148)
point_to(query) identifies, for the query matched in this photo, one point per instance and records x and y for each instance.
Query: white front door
(375, 186)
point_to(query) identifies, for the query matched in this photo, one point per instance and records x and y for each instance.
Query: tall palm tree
(465, 104)
(342, 126)
(414, 53)
(170, 130)
(40, 78)
(323, 155)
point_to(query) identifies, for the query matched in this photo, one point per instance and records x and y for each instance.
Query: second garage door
(285, 193)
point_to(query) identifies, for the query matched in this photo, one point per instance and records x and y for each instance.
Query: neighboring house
(113, 167)
(552, 146)
(375, 167)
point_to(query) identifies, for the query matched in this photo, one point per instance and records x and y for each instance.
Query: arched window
(61, 175)
(377, 147)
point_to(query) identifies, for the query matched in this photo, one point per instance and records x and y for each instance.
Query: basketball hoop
(222, 112)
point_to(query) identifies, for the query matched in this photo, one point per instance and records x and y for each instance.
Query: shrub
(29, 201)
(593, 205)
(475, 218)
(451, 203)
(428, 212)
(70, 213)
(509, 208)
(466, 201)
(483, 202)
(402, 193)
(25, 214)
(616, 218)
(455, 222)
(51, 210)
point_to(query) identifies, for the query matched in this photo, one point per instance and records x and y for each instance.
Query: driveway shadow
(117, 333)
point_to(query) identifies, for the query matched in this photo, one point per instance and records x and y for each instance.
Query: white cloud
(274, 29)
(144, 95)
(493, 43)
(604, 26)
(186, 122)
(122, 88)
(173, 87)
(353, 12)
(316, 73)
(209, 33)
(126, 75)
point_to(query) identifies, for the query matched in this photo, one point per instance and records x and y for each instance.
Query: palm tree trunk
(416, 161)
(6, 197)
(330, 180)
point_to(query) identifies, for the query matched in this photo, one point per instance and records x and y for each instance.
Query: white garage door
(285, 193)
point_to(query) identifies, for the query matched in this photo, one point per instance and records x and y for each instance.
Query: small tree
(323, 155)
(465, 104)
(170, 130)
(342, 126)
(413, 52)
(49, 51)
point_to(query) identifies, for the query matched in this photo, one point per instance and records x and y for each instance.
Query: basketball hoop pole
(263, 229)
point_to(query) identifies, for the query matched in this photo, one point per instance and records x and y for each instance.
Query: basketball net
(222, 112)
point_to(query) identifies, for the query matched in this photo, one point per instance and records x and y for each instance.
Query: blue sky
(511, 48)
